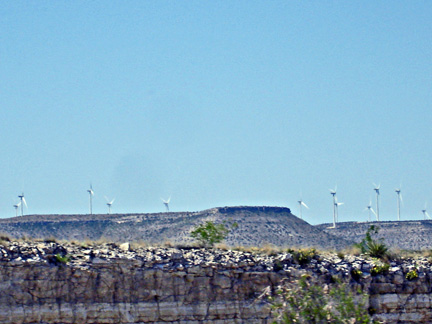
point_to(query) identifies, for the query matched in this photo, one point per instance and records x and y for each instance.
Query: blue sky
(215, 103)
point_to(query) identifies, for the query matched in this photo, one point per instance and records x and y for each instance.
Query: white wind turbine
(377, 189)
(109, 203)
(425, 213)
(301, 203)
(16, 208)
(333, 193)
(22, 203)
(166, 203)
(370, 209)
(91, 193)
(399, 200)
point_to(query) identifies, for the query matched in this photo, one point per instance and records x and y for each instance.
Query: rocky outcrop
(47, 282)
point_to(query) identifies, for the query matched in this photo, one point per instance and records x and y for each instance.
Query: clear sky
(216, 103)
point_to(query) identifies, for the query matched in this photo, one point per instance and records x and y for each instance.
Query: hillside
(257, 226)
(407, 235)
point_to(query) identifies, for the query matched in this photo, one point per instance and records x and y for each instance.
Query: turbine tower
(399, 199)
(301, 203)
(333, 193)
(22, 203)
(425, 213)
(377, 188)
(337, 204)
(166, 203)
(91, 193)
(109, 203)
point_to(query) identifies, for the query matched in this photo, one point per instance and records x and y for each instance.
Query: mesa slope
(257, 226)
(406, 235)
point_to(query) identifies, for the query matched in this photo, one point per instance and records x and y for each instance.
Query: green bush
(209, 233)
(373, 247)
(411, 275)
(356, 274)
(303, 257)
(306, 301)
(62, 259)
(380, 268)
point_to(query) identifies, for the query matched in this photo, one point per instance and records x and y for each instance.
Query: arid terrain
(257, 226)
(406, 235)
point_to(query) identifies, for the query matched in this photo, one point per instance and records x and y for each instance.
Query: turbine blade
(373, 211)
(426, 213)
(304, 205)
(112, 201)
(24, 201)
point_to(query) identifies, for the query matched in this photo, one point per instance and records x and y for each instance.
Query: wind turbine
(22, 203)
(399, 199)
(109, 203)
(166, 203)
(377, 188)
(370, 209)
(425, 213)
(333, 193)
(301, 203)
(16, 208)
(337, 204)
(91, 193)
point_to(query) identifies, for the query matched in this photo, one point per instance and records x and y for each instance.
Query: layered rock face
(108, 283)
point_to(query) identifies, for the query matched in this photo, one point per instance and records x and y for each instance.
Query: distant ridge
(257, 226)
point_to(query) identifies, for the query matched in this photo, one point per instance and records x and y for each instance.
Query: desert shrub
(380, 268)
(50, 239)
(356, 274)
(210, 233)
(411, 275)
(4, 239)
(373, 247)
(304, 256)
(62, 259)
(306, 301)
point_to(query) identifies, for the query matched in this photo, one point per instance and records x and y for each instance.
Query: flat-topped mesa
(109, 283)
(257, 226)
(252, 209)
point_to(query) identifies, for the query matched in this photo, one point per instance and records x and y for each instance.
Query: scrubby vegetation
(210, 233)
(412, 275)
(380, 268)
(307, 301)
(373, 247)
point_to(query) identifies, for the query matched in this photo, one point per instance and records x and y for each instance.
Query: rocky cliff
(47, 282)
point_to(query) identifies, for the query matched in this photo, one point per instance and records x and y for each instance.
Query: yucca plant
(375, 248)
